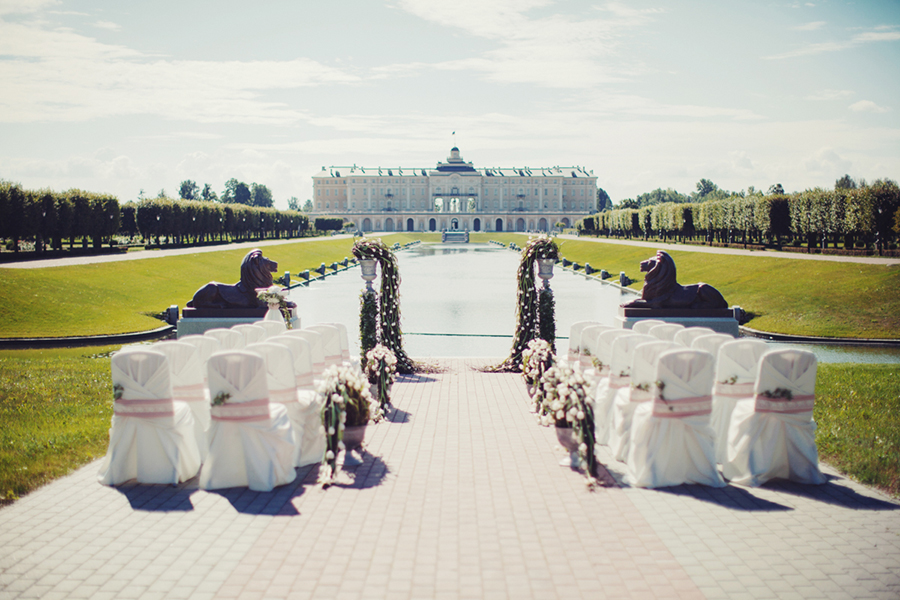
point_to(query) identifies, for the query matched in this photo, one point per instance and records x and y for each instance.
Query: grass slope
(801, 297)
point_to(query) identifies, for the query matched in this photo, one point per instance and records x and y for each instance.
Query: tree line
(864, 216)
(49, 219)
(236, 192)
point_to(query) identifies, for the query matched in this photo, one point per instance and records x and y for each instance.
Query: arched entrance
(454, 224)
(476, 225)
(389, 224)
(565, 221)
(499, 225)
(542, 225)
(432, 225)
(520, 224)
(367, 224)
(410, 225)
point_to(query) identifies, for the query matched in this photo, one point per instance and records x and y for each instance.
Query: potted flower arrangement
(536, 359)
(347, 408)
(381, 368)
(561, 399)
(279, 307)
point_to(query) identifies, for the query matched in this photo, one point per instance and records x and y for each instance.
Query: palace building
(455, 196)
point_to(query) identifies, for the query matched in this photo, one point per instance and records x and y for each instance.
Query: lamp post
(545, 270)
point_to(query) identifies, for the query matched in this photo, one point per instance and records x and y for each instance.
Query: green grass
(55, 406)
(858, 417)
(801, 297)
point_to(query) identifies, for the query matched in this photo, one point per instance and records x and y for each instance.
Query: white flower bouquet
(536, 359)
(381, 369)
(276, 298)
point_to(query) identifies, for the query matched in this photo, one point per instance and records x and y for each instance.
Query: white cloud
(880, 34)
(811, 26)
(108, 25)
(829, 95)
(867, 106)
(59, 75)
(9, 7)
(826, 160)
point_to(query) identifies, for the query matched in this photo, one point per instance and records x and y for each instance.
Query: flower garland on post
(368, 322)
(561, 399)
(537, 358)
(381, 367)
(275, 296)
(389, 301)
(527, 316)
(547, 317)
(347, 403)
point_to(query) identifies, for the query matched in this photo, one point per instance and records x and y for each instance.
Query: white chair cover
(206, 347)
(345, 342)
(774, 437)
(575, 340)
(228, 338)
(283, 386)
(252, 332)
(686, 336)
(598, 393)
(316, 348)
(590, 336)
(272, 328)
(151, 437)
(736, 368)
(313, 448)
(618, 384)
(671, 440)
(644, 325)
(643, 381)
(331, 343)
(711, 343)
(666, 332)
(186, 375)
(250, 440)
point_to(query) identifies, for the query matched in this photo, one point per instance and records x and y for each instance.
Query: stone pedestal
(200, 320)
(720, 320)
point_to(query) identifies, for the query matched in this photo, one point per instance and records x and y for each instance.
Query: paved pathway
(459, 496)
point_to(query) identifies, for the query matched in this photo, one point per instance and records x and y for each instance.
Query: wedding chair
(617, 390)
(588, 346)
(331, 343)
(575, 340)
(228, 338)
(283, 386)
(186, 375)
(316, 347)
(252, 332)
(345, 342)
(206, 346)
(666, 332)
(711, 343)
(644, 325)
(772, 435)
(151, 437)
(686, 336)
(250, 439)
(272, 328)
(643, 381)
(600, 389)
(313, 438)
(671, 440)
(736, 367)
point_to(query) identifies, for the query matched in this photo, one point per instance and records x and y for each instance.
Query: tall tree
(845, 183)
(308, 205)
(189, 190)
(236, 192)
(603, 200)
(260, 196)
(705, 187)
(776, 189)
(628, 203)
(293, 203)
(208, 194)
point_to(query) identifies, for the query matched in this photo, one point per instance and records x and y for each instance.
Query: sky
(135, 97)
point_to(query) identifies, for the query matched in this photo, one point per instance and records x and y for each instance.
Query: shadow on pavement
(730, 496)
(831, 493)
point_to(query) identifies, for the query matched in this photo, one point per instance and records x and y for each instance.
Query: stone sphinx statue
(256, 272)
(661, 290)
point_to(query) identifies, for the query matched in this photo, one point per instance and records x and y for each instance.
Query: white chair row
(292, 360)
(756, 420)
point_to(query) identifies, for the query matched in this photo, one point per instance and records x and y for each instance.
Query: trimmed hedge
(329, 223)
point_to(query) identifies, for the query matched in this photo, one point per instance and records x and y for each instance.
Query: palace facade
(455, 196)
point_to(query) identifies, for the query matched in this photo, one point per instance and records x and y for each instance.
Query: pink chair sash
(619, 381)
(798, 404)
(254, 410)
(305, 381)
(733, 390)
(640, 395)
(152, 407)
(283, 396)
(603, 371)
(189, 393)
(683, 407)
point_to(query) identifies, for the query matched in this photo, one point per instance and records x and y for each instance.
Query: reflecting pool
(458, 300)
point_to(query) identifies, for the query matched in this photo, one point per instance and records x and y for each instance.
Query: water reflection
(459, 301)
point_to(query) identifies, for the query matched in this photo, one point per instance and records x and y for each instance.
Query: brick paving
(459, 496)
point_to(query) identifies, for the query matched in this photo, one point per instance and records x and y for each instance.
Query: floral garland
(561, 399)
(537, 358)
(347, 403)
(381, 368)
(389, 307)
(527, 320)
(368, 322)
(275, 295)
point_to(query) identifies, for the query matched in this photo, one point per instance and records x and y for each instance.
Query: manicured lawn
(801, 297)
